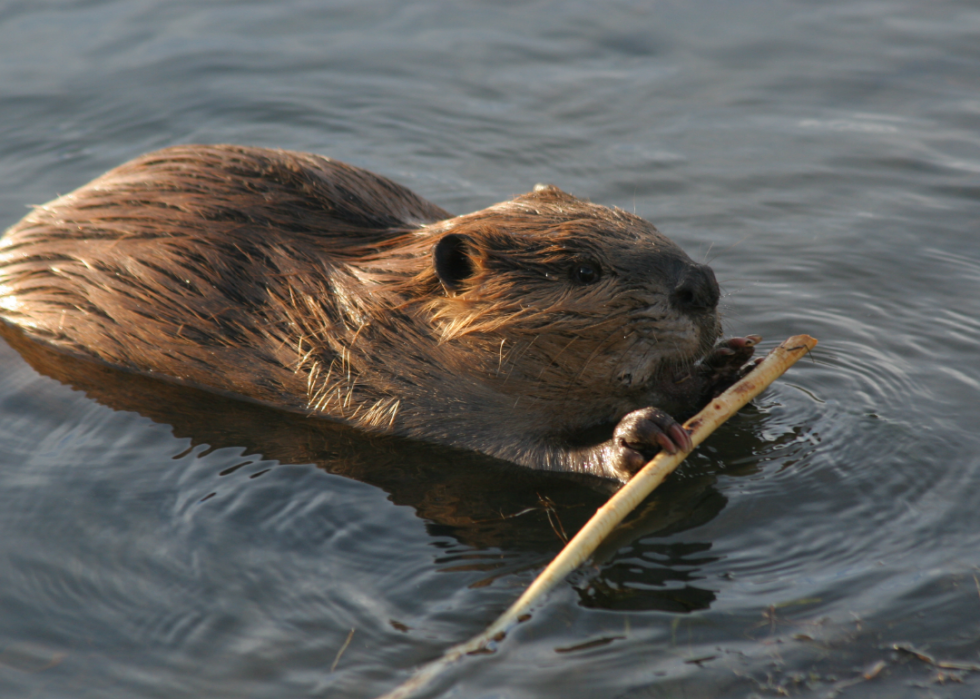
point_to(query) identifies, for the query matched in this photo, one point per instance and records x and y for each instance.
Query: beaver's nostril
(697, 291)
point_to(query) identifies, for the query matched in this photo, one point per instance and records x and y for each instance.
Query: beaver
(545, 330)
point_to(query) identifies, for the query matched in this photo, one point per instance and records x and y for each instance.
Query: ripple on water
(823, 159)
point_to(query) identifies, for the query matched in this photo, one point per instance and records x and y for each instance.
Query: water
(825, 158)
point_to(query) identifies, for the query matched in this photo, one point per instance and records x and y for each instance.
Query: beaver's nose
(697, 291)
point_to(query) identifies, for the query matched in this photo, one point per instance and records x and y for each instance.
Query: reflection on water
(480, 502)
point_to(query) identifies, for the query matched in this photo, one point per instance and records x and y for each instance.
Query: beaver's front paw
(727, 363)
(640, 435)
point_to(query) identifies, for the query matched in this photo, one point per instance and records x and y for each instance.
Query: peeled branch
(615, 510)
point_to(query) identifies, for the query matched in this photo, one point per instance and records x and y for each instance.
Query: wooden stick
(615, 510)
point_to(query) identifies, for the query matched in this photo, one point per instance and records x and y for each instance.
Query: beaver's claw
(641, 434)
(727, 363)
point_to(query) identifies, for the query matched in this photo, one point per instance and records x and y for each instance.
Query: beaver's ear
(549, 193)
(451, 257)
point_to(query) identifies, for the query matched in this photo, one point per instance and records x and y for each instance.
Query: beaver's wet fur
(544, 330)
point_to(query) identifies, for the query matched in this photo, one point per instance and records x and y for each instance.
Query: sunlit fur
(301, 282)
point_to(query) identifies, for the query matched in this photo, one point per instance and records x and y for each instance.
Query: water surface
(824, 158)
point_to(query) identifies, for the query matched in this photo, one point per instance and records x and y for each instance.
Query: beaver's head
(567, 297)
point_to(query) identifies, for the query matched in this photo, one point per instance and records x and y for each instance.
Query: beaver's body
(304, 283)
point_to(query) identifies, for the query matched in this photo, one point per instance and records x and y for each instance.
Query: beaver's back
(195, 262)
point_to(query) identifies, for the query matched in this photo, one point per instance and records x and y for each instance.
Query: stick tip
(798, 343)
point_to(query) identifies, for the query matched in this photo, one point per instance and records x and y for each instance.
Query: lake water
(824, 157)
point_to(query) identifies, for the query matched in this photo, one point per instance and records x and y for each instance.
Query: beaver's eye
(587, 272)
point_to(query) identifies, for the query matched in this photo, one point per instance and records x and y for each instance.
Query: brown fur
(304, 283)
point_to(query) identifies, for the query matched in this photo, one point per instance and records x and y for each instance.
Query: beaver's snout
(696, 291)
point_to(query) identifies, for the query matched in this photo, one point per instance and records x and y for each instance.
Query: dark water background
(824, 157)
